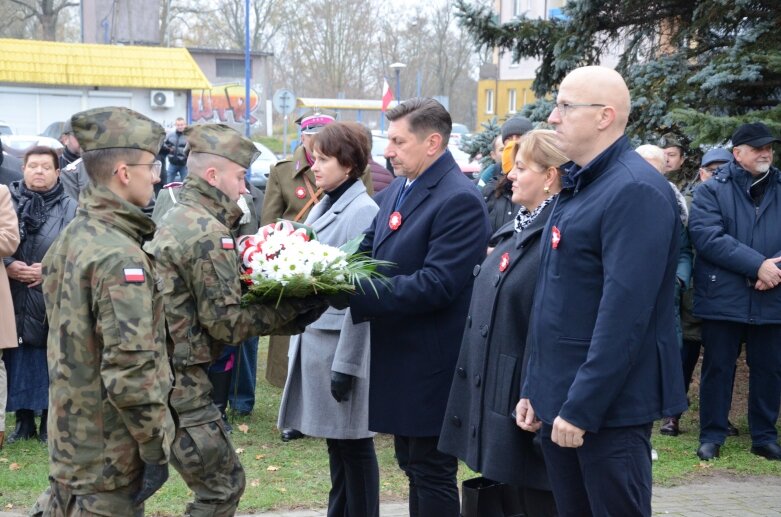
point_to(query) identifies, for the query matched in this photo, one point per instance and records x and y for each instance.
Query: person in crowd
(497, 190)
(604, 362)
(43, 211)
(494, 168)
(327, 390)
(381, 177)
(175, 149)
(432, 224)
(9, 240)
(73, 177)
(108, 403)
(494, 344)
(734, 228)
(675, 165)
(196, 258)
(290, 194)
(9, 170)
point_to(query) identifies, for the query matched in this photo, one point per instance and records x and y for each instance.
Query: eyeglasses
(156, 166)
(564, 107)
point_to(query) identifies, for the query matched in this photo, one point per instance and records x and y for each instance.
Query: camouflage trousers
(205, 458)
(59, 501)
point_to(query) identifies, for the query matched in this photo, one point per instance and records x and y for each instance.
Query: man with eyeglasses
(604, 360)
(110, 429)
(196, 256)
(734, 228)
(73, 176)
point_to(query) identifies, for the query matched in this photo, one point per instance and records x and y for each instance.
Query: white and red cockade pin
(227, 243)
(134, 275)
(394, 222)
(555, 237)
(300, 192)
(504, 262)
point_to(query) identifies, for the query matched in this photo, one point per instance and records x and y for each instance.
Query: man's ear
(607, 116)
(211, 176)
(123, 173)
(434, 144)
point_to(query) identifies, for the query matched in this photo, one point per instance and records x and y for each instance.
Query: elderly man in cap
(197, 260)
(110, 428)
(73, 176)
(290, 194)
(734, 228)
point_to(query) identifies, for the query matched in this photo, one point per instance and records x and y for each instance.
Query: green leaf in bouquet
(351, 246)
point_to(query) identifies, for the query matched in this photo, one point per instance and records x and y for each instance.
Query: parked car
(379, 143)
(17, 145)
(5, 129)
(54, 130)
(260, 168)
(468, 167)
(457, 133)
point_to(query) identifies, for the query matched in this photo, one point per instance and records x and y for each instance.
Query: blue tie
(402, 195)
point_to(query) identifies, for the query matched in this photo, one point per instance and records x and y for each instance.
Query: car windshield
(5, 130)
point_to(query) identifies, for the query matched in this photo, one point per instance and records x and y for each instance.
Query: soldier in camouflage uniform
(110, 429)
(197, 259)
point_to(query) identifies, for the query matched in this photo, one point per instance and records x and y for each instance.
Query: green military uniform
(198, 262)
(109, 372)
(290, 188)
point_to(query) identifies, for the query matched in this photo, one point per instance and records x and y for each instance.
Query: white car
(17, 145)
(260, 168)
(5, 129)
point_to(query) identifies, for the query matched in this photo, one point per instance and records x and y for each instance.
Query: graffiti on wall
(223, 103)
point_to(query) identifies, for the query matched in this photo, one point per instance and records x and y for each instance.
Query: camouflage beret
(116, 128)
(671, 140)
(221, 140)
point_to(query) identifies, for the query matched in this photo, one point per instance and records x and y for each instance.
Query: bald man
(604, 358)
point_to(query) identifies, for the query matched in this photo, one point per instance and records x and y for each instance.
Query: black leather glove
(154, 477)
(338, 301)
(341, 385)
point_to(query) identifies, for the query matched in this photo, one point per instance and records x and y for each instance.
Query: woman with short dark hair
(43, 210)
(327, 390)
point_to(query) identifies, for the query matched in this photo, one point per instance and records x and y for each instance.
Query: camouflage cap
(671, 140)
(221, 140)
(116, 128)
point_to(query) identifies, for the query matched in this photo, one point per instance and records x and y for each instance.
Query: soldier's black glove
(341, 385)
(154, 477)
(338, 301)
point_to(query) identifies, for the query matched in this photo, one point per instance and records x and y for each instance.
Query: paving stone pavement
(714, 496)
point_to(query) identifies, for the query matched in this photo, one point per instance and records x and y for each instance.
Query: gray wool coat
(332, 342)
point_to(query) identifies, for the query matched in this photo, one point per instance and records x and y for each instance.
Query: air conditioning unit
(161, 99)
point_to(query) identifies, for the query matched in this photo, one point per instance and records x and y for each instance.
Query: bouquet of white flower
(286, 260)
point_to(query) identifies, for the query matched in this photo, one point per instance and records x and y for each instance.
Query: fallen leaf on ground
(3, 460)
(14, 466)
(282, 489)
(254, 483)
(9, 506)
(239, 451)
(260, 456)
(272, 468)
(244, 428)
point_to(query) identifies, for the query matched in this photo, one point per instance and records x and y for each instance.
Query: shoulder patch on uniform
(228, 243)
(134, 275)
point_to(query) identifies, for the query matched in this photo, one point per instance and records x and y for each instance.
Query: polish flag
(387, 95)
(134, 275)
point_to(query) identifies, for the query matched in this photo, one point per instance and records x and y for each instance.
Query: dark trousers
(242, 390)
(173, 170)
(355, 478)
(690, 354)
(722, 341)
(610, 474)
(433, 490)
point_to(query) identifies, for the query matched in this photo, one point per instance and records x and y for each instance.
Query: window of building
(231, 67)
(517, 8)
(512, 100)
(489, 101)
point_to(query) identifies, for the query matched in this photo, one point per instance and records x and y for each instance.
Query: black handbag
(482, 497)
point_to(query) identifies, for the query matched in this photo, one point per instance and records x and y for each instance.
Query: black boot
(43, 432)
(25, 426)
(221, 382)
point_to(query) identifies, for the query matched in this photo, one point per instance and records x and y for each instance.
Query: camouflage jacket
(109, 374)
(197, 259)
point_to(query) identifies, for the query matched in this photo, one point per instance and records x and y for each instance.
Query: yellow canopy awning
(80, 64)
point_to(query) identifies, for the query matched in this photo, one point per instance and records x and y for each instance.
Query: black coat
(31, 325)
(478, 426)
(501, 210)
(175, 147)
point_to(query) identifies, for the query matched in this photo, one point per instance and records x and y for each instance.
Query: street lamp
(397, 67)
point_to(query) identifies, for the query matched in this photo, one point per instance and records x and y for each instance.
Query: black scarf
(33, 207)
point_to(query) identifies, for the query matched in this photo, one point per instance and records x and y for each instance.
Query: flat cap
(116, 128)
(671, 140)
(516, 126)
(755, 135)
(719, 154)
(221, 140)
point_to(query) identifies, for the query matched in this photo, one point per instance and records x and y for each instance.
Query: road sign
(284, 102)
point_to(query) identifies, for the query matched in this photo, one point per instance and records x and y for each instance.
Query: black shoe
(771, 451)
(25, 426)
(670, 427)
(732, 430)
(291, 434)
(708, 451)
